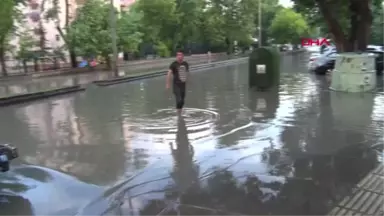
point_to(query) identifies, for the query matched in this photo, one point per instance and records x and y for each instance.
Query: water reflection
(317, 183)
(185, 171)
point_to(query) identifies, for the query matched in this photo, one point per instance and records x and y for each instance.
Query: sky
(285, 3)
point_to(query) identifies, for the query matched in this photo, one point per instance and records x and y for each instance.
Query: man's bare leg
(179, 112)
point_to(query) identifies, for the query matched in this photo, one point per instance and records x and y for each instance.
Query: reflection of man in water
(14, 205)
(185, 172)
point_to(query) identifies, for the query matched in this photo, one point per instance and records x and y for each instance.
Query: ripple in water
(165, 120)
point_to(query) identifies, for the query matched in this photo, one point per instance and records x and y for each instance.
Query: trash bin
(264, 68)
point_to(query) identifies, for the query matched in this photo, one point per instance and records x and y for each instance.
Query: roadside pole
(260, 29)
(114, 39)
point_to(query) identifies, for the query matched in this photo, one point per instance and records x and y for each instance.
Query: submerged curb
(162, 73)
(39, 95)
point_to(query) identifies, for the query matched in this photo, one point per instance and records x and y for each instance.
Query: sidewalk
(367, 198)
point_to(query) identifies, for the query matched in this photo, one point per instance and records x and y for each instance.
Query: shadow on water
(295, 149)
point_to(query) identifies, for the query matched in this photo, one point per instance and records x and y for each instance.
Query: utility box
(354, 72)
(264, 68)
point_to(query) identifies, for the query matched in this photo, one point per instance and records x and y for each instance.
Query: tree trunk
(365, 23)
(25, 67)
(41, 28)
(354, 23)
(2, 60)
(333, 26)
(72, 54)
(108, 62)
(360, 25)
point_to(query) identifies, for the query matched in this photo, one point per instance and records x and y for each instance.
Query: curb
(39, 95)
(161, 73)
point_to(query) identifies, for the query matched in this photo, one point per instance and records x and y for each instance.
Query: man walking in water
(179, 69)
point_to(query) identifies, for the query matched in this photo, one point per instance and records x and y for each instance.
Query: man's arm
(169, 77)
(187, 68)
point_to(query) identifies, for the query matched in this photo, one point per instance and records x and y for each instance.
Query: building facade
(44, 31)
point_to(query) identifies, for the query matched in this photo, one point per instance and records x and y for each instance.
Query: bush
(162, 50)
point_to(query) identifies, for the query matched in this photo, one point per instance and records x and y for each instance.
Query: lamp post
(114, 38)
(260, 29)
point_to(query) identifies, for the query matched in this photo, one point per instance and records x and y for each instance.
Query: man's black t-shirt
(179, 71)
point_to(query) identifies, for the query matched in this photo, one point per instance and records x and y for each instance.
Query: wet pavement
(296, 149)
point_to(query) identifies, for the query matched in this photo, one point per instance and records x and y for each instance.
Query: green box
(264, 68)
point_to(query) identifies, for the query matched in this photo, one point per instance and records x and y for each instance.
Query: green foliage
(269, 10)
(26, 44)
(339, 16)
(159, 21)
(129, 36)
(288, 27)
(377, 26)
(90, 33)
(7, 15)
(237, 19)
(162, 50)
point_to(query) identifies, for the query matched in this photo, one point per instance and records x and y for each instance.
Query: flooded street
(296, 149)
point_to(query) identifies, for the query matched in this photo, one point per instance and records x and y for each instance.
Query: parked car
(326, 61)
(321, 63)
(312, 58)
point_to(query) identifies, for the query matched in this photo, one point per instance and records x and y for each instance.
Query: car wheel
(320, 71)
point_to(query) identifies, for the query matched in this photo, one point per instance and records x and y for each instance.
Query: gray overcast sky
(285, 3)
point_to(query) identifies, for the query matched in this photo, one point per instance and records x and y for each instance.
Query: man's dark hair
(180, 51)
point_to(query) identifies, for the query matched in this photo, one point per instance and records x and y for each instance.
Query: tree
(348, 21)
(26, 44)
(89, 33)
(7, 14)
(377, 26)
(53, 15)
(269, 10)
(129, 36)
(232, 20)
(288, 27)
(159, 22)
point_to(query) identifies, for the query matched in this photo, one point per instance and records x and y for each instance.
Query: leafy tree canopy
(288, 27)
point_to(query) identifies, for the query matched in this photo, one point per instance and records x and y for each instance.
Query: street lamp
(114, 39)
(260, 29)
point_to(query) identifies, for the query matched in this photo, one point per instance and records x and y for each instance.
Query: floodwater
(121, 150)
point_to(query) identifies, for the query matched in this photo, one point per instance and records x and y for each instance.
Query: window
(57, 37)
(33, 5)
(37, 31)
(34, 16)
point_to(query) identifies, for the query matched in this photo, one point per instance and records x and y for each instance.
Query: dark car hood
(32, 190)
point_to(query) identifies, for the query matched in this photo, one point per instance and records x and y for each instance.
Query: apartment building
(35, 12)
